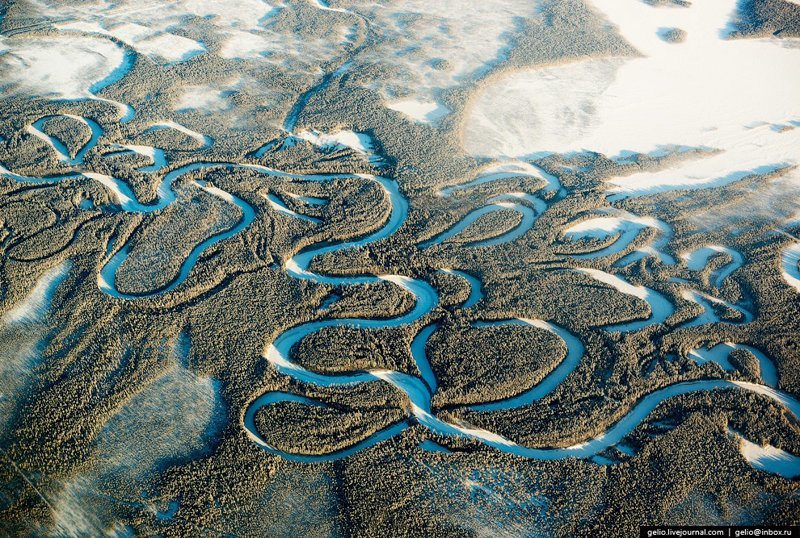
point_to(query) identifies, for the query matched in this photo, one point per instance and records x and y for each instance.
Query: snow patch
(62, 67)
(360, 142)
(203, 140)
(276, 204)
(203, 98)
(421, 111)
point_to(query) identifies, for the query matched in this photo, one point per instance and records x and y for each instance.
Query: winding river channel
(420, 386)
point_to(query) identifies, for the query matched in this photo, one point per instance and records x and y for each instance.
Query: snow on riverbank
(660, 307)
(770, 459)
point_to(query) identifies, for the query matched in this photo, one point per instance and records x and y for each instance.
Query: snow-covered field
(60, 67)
(736, 97)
